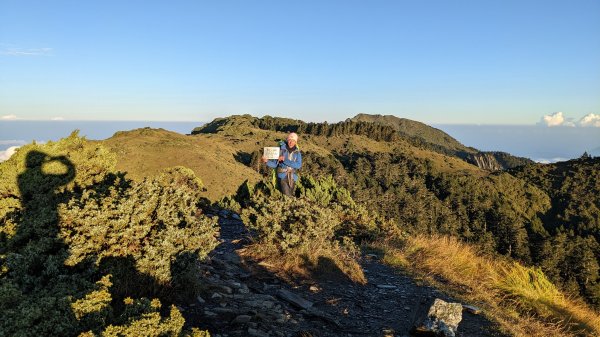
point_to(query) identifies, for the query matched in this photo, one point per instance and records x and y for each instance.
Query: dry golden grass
(145, 152)
(311, 264)
(521, 299)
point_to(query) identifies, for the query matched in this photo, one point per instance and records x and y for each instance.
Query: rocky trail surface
(242, 299)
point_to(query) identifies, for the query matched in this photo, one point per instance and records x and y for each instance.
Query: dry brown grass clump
(521, 299)
(295, 237)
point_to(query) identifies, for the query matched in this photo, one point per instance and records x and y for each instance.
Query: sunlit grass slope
(145, 152)
(521, 299)
(222, 158)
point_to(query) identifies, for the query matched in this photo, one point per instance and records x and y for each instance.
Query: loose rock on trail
(241, 298)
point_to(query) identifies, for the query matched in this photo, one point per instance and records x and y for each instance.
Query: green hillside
(569, 253)
(418, 131)
(425, 136)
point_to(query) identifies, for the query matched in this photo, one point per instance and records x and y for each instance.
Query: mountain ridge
(364, 190)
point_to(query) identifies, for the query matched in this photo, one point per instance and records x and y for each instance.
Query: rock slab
(441, 319)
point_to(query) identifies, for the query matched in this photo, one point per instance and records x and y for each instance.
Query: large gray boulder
(440, 319)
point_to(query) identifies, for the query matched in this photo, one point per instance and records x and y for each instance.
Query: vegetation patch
(309, 235)
(84, 250)
(521, 299)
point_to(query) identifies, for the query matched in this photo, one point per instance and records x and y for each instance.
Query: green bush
(77, 239)
(323, 222)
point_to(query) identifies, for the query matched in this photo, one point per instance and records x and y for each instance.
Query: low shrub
(83, 250)
(317, 230)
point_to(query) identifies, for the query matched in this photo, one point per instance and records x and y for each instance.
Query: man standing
(289, 161)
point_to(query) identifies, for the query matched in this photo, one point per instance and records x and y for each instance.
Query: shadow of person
(39, 199)
(34, 272)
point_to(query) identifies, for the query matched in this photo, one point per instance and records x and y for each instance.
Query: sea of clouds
(556, 137)
(10, 147)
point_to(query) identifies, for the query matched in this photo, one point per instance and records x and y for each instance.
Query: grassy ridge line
(521, 299)
(145, 152)
(216, 157)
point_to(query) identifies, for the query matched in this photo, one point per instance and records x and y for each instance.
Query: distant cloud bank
(26, 51)
(4, 155)
(558, 119)
(8, 117)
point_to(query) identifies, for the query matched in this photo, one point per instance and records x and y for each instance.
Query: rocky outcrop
(484, 160)
(495, 160)
(441, 319)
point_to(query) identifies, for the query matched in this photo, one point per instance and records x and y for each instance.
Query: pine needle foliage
(77, 237)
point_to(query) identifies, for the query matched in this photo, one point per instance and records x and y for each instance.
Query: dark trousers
(287, 186)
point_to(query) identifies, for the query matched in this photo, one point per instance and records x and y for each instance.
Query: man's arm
(272, 163)
(294, 164)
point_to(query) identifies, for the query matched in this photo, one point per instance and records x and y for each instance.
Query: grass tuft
(521, 299)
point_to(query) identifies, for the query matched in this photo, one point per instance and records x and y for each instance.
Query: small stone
(386, 286)
(472, 309)
(388, 332)
(227, 311)
(257, 333)
(200, 300)
(216, 296)
(235, 285)
(294, 299)
(209, 313)
(223, 288)
(314, 289)
(241, 319)
(407, 308)
(236, 216)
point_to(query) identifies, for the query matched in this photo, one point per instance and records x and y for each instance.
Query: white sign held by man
(271, 152)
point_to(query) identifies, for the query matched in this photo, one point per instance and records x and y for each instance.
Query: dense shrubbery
(570, 253)
(83, 250)
(323, 223)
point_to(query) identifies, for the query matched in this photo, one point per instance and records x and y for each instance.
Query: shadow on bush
(44, 290)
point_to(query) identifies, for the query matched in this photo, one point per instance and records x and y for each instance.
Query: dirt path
(242, 299)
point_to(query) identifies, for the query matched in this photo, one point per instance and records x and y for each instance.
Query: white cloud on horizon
(549, 161)
(590, 120)
(6, 154)
(8, 117)
(58, 118)
(26, 51)
(558, 119)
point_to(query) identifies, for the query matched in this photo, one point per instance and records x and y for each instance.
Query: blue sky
(488, 62)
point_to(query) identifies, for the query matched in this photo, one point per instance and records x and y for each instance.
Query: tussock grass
(308, 263)
(521, 299)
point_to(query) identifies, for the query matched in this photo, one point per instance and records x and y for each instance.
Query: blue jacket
(291, 160)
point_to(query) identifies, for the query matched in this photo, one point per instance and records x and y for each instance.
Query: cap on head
(293, 136)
